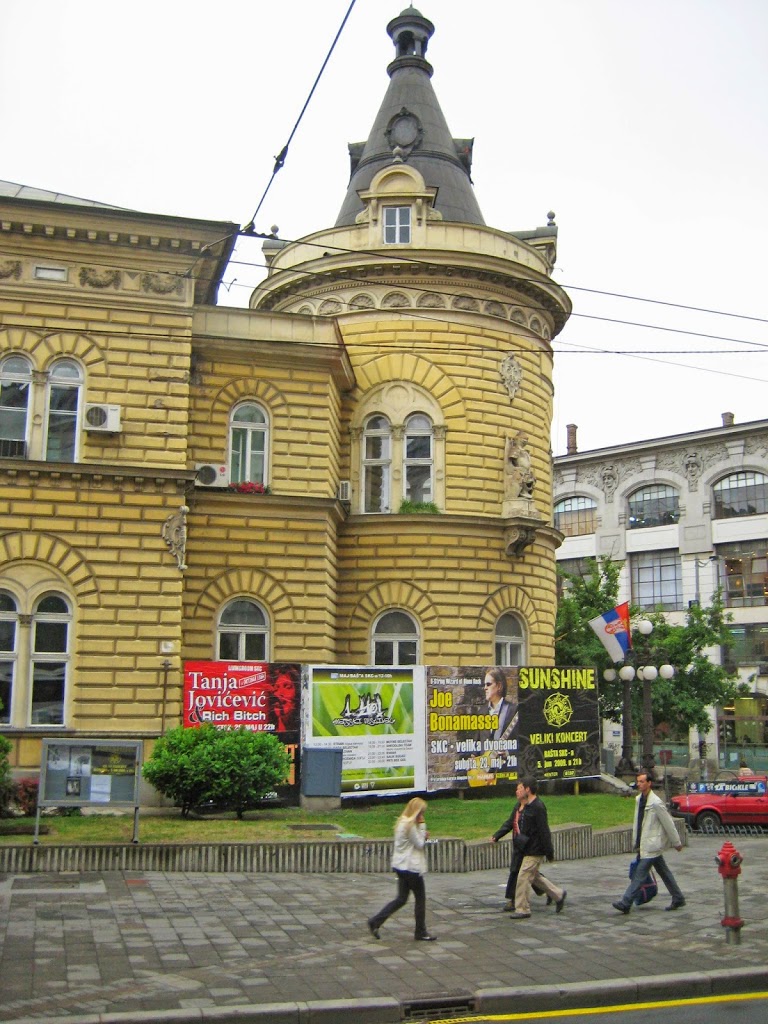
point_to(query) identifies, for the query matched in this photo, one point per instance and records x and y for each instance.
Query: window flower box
(249, 487)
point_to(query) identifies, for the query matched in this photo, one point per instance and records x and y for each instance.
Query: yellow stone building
(356, 469)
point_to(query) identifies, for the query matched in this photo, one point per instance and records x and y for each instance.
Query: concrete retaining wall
(360, 856)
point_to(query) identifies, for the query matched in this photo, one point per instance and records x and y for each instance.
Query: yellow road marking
(619, 1008)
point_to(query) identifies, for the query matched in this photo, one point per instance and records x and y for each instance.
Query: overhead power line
(283, 154)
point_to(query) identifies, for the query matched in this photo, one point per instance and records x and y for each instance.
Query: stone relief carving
(362, 301)
(609, 475)
(511, 375)
(693, 467)
(517, 539)
(161, 284)
(174, 533)
(494, 308)
(466, 302)
(395, 300)
(329, 306)
(10, 268)
(609, 480)
(99, 278)
(429, 300)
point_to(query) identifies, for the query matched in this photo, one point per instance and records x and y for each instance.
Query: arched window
(656, 505)
(248, 445)
(575, 516)
(9, 622)
(418, 459)
(15, 390)
(509, 642)
(395, 640)
(740, 494)
(377, 463)
(64, 386)
(243, 632)
(49, 660)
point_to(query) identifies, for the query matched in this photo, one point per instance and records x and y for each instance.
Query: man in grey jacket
(654, 832)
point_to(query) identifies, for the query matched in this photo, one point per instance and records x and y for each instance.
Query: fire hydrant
(728, 863)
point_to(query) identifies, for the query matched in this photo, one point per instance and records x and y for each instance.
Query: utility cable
(283, 154)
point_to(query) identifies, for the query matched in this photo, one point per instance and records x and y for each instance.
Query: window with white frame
(15, 392)
(397, 224)
(395, 640)
(9, 631)
(49, 660)
(740, 494)
(243, 632)
(575, 516)
(418, 459)
(655, 505)
(34, 660)
(248, 444)
(657, 580)
(65, 381)
(377, 463)
(509, 643)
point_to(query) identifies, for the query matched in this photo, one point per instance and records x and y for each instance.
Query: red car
(708, 805)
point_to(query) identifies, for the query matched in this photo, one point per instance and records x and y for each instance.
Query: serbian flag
(612, 630)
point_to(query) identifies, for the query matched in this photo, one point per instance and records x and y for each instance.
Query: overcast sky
(641, 124)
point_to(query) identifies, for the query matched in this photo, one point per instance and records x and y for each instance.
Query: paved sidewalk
(295, 948)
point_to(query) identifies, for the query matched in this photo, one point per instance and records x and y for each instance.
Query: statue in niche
(519, 480)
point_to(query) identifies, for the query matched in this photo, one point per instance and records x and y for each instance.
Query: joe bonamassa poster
(559, 723)
(471, 726)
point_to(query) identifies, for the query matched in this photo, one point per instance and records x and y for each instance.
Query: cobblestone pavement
(206, 945)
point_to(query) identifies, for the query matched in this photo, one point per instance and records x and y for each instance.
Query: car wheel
(708, 821)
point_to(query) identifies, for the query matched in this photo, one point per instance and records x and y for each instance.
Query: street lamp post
(646, 674)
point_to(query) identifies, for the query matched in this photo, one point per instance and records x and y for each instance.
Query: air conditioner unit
(345, 490)
(211, 474)
(102, 419)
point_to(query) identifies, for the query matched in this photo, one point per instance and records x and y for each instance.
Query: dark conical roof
(410, 126)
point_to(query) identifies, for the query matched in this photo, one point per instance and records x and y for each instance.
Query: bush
(25, 792)
(230, 767)
(408, 507)
(6, 783)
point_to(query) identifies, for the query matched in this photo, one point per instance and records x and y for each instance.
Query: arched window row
(34, 660)
(417, 454)
(740, 494)
(54, 398)
(575, 516)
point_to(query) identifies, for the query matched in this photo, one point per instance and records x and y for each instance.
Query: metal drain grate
(431, 1007)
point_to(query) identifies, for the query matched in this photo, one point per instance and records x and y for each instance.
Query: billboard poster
(258, 696)
(559, 723)
(471, 726)
(376, 715)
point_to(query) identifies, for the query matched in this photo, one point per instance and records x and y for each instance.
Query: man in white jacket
(654, 832)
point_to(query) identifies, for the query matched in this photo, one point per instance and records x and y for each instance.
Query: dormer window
(397, 225)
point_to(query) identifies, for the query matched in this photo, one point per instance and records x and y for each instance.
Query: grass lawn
(447, 817)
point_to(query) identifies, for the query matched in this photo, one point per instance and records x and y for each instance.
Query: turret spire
(410, 128)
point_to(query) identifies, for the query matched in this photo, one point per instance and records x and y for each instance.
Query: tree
(232, 767)
(681, 702)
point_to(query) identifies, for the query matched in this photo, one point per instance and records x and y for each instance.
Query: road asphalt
(141, 947)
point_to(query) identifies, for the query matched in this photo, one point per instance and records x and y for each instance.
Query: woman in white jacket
(653, 832)
(410, 865)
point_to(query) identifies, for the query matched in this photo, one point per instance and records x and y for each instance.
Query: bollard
(728, 863)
